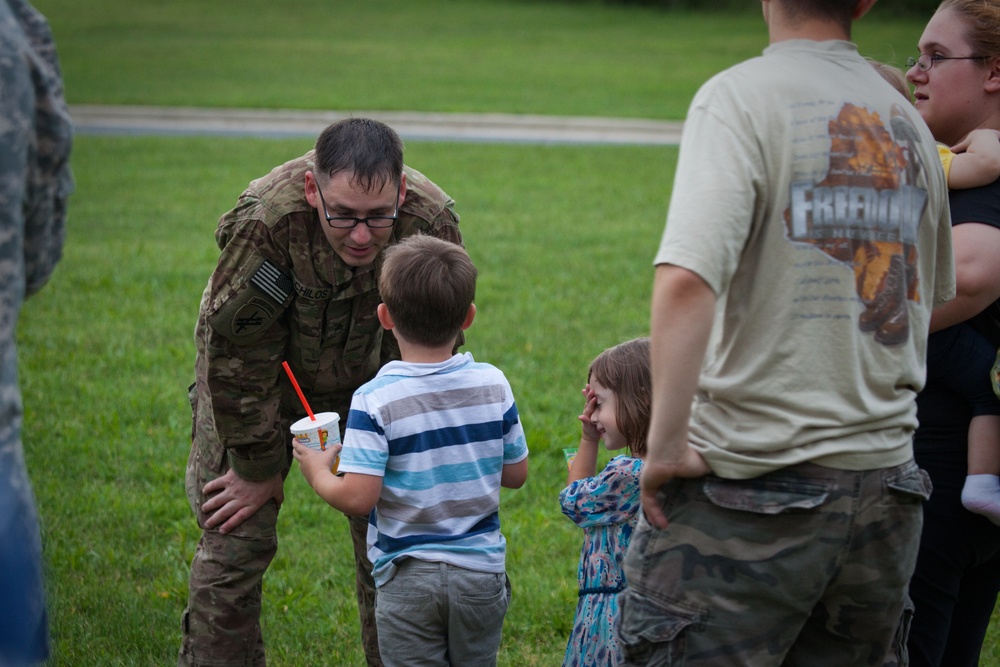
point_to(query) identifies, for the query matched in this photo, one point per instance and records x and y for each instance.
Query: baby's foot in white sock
(981, 494)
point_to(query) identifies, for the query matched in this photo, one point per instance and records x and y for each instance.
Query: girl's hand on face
(590, 432)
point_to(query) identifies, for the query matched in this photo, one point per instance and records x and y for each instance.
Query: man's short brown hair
(369, 149)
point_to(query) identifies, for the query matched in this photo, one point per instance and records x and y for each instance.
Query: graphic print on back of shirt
(864, 213)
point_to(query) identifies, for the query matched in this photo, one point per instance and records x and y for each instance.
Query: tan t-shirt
(813, 202)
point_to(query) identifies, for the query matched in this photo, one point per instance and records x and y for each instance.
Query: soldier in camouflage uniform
(35, 181)
(781, 505)
(297, 281)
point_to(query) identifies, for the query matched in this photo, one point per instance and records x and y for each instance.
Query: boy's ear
(471, 315)
(384, 318)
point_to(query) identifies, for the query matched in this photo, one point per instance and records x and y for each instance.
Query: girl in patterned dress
(606, 504)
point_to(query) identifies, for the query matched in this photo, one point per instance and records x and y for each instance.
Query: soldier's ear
(311, 187)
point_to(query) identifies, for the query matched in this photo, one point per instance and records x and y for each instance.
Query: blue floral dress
(606, 506)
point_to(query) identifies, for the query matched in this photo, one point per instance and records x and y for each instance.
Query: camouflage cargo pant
(804, 566)
(221, 624)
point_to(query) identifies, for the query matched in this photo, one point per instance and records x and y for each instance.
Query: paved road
(507, 128)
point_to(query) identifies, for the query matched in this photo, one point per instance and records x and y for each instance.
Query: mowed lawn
(563, 237)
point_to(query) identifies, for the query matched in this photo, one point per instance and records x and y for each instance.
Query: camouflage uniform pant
(803, 566)
(221, 624)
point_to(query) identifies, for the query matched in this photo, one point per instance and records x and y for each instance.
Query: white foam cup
(318, 434)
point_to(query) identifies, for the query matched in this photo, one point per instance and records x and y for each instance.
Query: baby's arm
(977, 160)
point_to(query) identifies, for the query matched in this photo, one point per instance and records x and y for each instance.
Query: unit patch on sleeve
(258, 297)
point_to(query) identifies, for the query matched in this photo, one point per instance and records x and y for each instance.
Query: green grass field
(107, 345)
(563, 237)
(516, 56)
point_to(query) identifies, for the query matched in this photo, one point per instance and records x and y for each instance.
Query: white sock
(981, 494)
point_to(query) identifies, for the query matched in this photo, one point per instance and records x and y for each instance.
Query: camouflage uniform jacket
(35, 180)
(36, 137)
(281, 293)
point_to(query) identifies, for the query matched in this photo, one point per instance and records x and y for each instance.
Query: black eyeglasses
(348, 222)
(926, 61)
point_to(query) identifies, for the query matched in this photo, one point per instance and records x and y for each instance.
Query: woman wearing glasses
(956, 83)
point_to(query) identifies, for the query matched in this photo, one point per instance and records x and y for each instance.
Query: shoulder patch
(251, 316)
(255, 305)
(272, 282)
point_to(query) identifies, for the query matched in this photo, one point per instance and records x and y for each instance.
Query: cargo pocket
(309, 329)
(899, 655)
(653, 632)
(207, 451)
(907, 484)
(766, 495)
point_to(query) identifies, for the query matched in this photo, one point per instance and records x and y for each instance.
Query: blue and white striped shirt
(439, 435)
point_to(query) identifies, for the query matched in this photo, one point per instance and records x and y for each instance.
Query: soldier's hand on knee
(235, 499)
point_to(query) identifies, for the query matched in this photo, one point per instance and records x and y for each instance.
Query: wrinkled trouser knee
(221, 624)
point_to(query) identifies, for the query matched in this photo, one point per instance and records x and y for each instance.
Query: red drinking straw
(298, 390)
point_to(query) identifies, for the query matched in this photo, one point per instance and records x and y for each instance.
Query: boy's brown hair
(625, 370)
(427, 285)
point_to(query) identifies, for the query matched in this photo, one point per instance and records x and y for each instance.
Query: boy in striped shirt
(429, 442)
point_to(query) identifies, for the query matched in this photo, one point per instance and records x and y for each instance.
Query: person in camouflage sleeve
(297, 281)
(35, 181)
(806, 243)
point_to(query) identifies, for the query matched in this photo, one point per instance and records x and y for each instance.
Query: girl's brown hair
(983, 18)
(625, 370)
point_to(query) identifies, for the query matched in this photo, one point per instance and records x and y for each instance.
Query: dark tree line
(884, 8)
